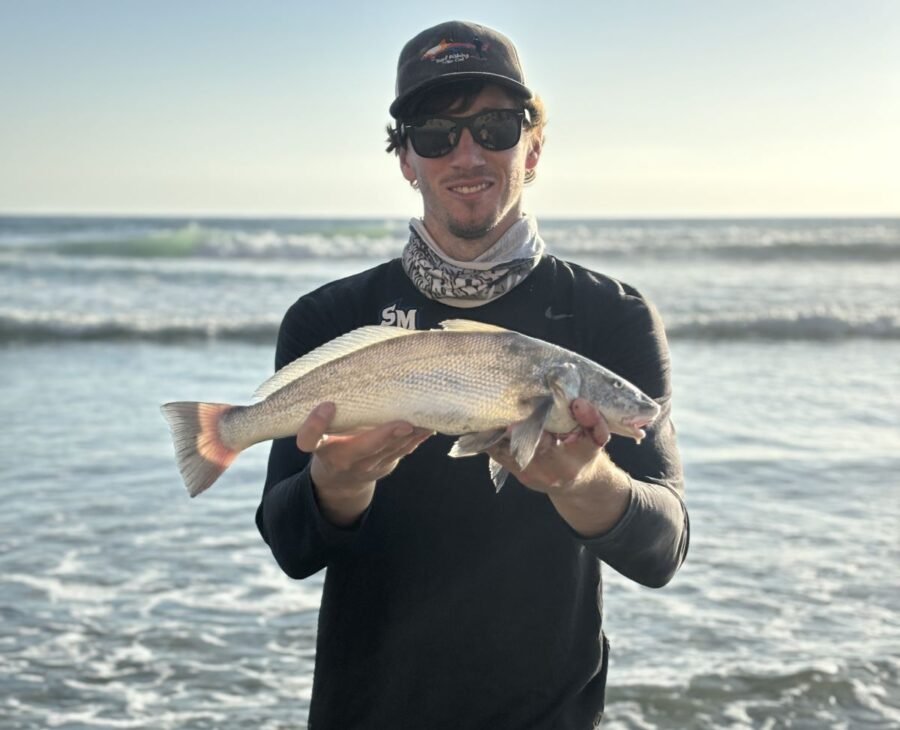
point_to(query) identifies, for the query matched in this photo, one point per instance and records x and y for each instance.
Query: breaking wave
(787, 326)
(37, 327)
(861, 240)
(224, 240)
(731, 240)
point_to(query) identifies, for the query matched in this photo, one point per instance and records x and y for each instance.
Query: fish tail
(201, 454)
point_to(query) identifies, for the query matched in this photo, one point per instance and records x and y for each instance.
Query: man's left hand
(559, 460)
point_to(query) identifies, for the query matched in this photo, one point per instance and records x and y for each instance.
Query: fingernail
(325, 410)
(404, 430)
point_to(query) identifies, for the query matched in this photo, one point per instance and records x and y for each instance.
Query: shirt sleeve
(288, 517)
(650, 541)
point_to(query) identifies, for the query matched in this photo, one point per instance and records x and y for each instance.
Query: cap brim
(396, 108)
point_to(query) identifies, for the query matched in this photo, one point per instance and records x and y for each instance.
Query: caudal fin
(201, 455)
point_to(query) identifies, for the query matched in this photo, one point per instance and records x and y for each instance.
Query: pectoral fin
(498, 474)
(470, 444)
(525, 435)
(564, 382)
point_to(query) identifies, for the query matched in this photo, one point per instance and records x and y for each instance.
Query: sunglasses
(493, 129)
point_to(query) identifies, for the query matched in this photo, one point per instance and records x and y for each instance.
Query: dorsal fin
(354, 340)
(467, 325)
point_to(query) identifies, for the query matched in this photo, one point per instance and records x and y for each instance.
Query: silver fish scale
(446, 381)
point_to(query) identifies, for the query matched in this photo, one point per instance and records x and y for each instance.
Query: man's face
(472, 195)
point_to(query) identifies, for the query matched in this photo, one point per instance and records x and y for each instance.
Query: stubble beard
(461, 228)
(474, 230)
(471, 231)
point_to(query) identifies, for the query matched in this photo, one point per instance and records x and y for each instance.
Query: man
(447, 605)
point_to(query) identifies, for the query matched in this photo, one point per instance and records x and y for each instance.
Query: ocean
(125, 604)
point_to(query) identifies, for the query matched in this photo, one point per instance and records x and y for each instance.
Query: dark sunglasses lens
(494, 130)
(434, 137)
(497, 130)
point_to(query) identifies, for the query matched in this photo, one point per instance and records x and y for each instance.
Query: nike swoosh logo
(549, 314)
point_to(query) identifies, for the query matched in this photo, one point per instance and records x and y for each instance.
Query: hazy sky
(664, 107)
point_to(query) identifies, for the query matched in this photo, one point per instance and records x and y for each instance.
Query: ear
(536, 144)
(405, 167)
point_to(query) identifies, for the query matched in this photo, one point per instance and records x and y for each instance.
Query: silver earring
(414, 184)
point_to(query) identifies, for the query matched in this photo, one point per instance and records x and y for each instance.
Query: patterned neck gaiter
(472, 283)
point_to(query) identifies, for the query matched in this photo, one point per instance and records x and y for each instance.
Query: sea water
(125, 604)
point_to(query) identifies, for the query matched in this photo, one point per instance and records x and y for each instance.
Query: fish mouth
(634, 427)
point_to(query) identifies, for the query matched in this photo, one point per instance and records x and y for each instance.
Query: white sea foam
(58, 590)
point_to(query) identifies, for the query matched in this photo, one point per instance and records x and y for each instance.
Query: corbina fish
(467, 378)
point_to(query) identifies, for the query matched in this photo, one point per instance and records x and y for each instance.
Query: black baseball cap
(454, 51)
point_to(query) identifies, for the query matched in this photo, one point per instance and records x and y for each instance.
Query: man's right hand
(345, 468)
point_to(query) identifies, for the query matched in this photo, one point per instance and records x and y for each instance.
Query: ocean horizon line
(363, 217)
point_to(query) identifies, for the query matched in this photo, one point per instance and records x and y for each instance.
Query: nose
(467, 153)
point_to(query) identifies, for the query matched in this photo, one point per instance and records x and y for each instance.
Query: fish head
(626, 408)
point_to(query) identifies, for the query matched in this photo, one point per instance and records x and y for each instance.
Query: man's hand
(558, 461)
(345, 468)
(587, 489)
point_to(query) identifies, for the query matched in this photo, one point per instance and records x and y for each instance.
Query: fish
(477, 381)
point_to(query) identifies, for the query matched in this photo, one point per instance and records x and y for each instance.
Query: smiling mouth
(470, 189)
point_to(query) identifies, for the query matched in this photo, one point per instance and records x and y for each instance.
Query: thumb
(591, 420)
(315, 427)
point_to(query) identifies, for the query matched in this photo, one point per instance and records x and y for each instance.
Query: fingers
(558, 459)
(362, 456)
(357, 460)
(395, 450)
(590, 419)
(584, 413)
(600, 433)
(374, 441)
(311, 433)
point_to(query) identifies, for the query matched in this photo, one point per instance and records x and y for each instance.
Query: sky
(678, 108)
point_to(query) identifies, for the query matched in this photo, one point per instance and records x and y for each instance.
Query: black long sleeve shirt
(448, 605)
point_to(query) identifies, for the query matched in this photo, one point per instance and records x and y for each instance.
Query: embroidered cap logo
(449, 51)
